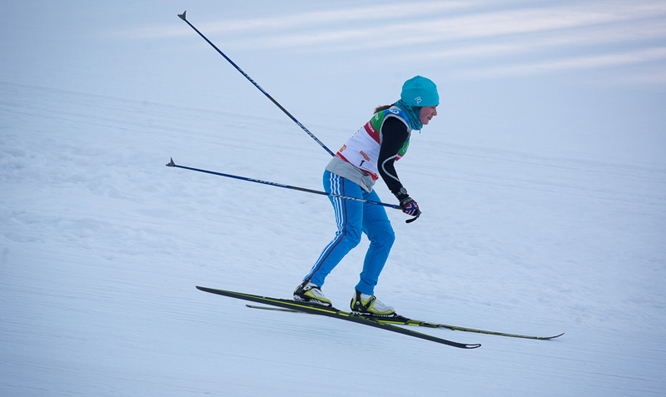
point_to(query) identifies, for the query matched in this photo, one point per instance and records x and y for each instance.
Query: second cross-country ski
(400, 320)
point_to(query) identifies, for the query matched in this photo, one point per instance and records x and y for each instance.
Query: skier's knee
(352, 239)
(382, 234)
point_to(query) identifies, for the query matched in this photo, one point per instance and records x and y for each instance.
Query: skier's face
(427, 113)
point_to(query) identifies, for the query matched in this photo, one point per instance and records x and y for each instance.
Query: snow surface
(542, 183)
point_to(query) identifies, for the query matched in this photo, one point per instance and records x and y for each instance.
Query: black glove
(408, 205)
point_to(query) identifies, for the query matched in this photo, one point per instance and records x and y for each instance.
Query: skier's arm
(394, 135)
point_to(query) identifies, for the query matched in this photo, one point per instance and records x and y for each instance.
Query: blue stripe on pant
(353, 218)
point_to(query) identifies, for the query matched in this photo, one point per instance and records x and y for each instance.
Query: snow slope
(542, 183)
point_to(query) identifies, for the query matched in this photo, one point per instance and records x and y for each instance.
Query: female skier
(370, 153)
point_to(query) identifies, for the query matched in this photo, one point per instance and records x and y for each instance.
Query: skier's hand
(410, 207)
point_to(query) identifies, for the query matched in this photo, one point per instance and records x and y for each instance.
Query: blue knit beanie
(419, 92)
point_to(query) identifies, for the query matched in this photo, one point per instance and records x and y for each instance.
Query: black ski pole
(172, 164)
(183, 17)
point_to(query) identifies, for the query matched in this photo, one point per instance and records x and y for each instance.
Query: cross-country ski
(417, 323)
(334, 313)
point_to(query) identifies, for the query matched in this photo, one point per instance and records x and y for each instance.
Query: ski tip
(171, 163)
(472, 346)
(182, 16)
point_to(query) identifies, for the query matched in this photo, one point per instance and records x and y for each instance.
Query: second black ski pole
(172, 164)
(184, 18)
